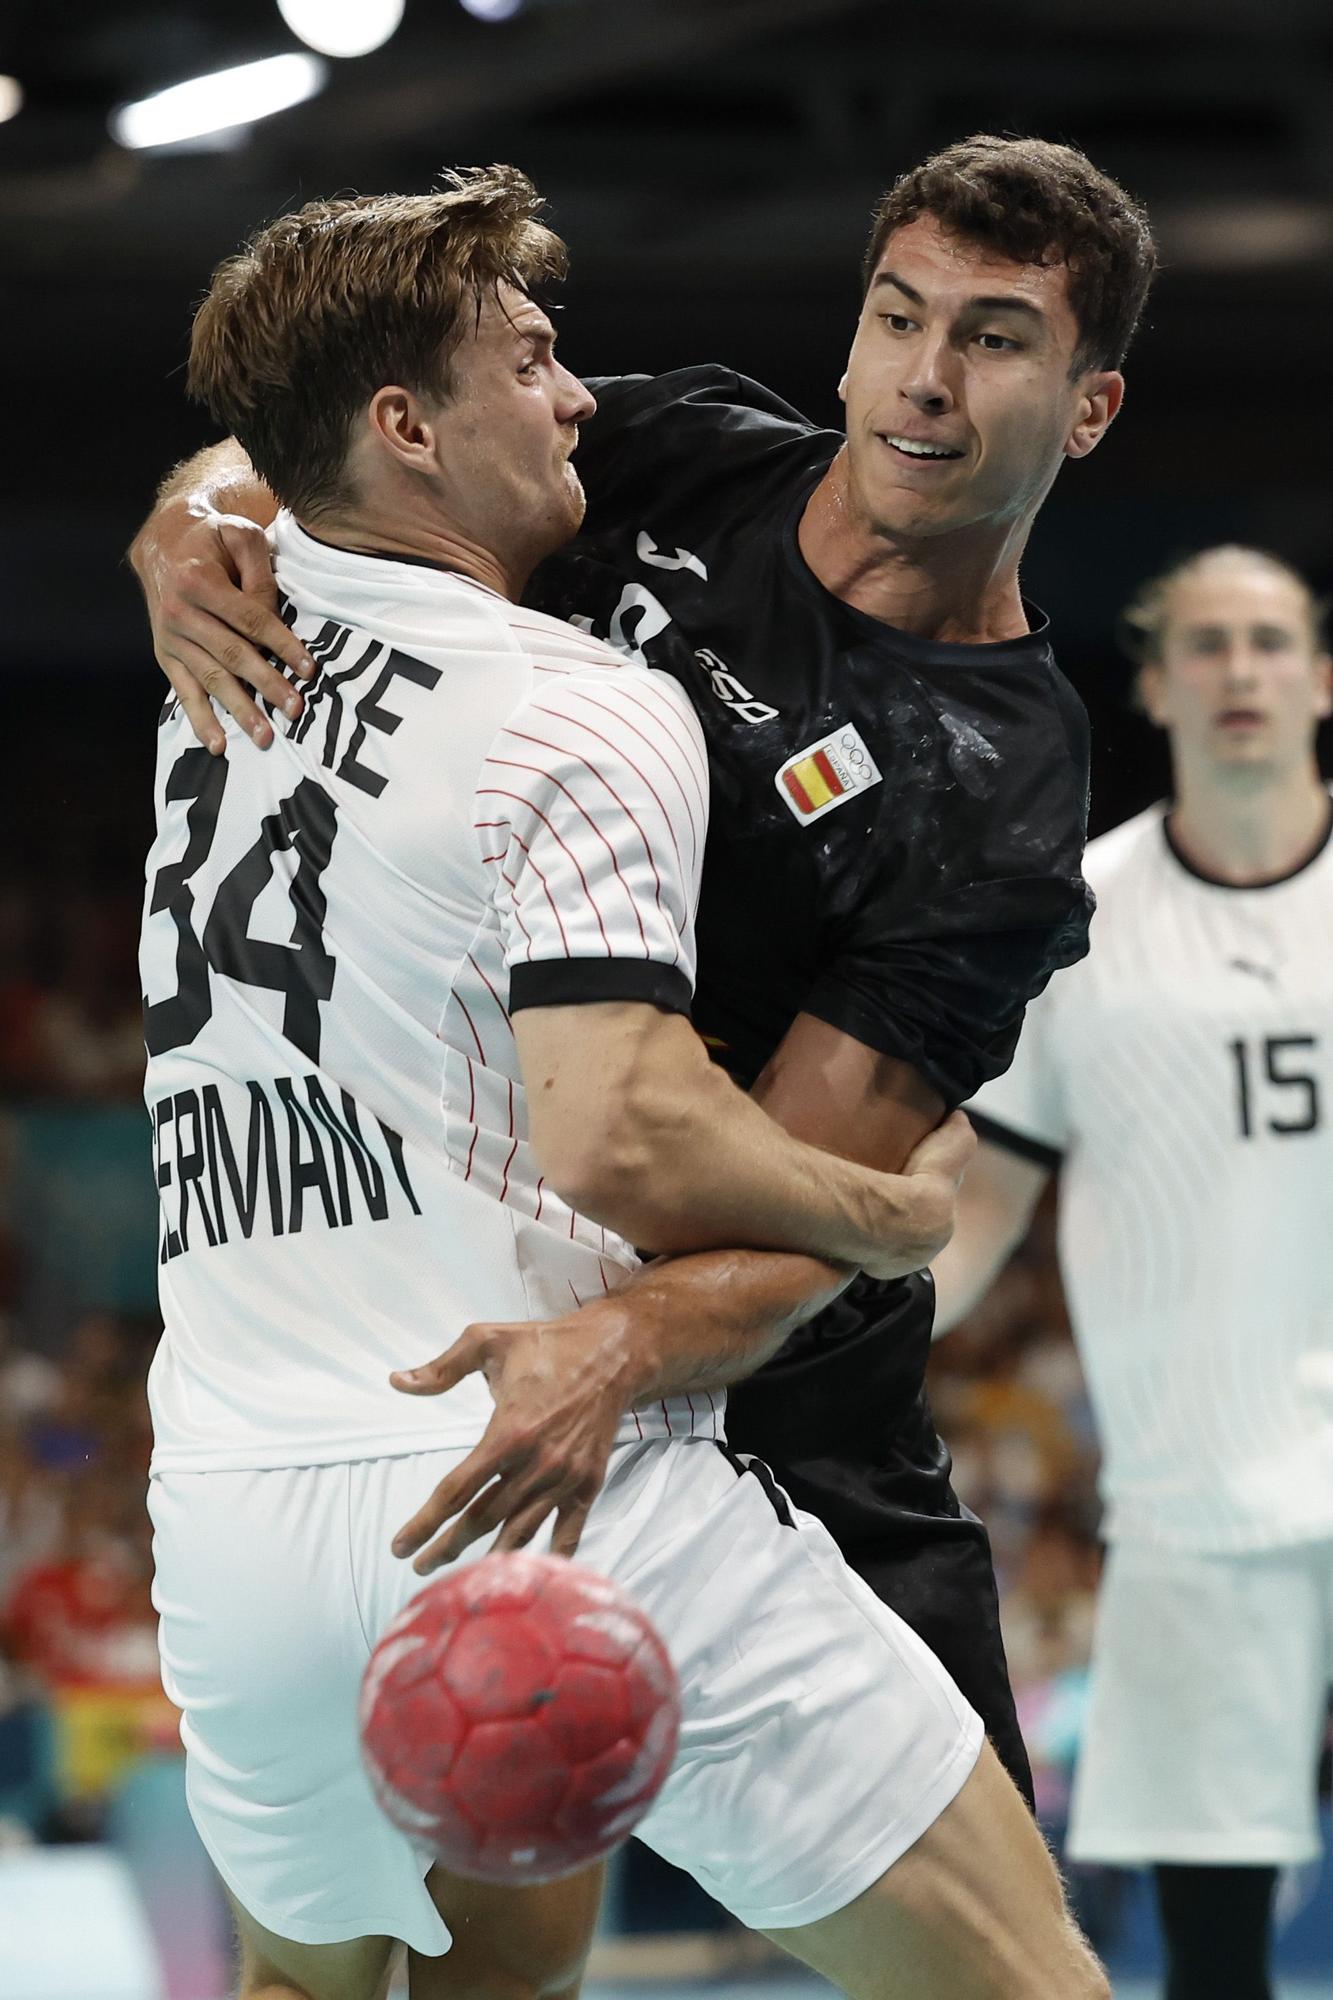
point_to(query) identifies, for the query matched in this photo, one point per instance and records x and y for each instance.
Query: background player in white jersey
(1181, 1077)
(472, 860)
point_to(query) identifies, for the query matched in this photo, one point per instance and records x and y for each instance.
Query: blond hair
(1143, 622)
(326, 305)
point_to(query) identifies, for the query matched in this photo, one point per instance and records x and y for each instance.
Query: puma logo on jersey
(731, 691)
(1265, 972)
(830, 772)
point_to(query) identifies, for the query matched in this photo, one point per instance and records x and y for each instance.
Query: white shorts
(1209, 1688)
(820, 1736)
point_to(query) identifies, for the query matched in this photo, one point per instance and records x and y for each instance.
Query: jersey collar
(1243, 888)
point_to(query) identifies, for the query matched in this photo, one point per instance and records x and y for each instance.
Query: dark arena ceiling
(712, 164)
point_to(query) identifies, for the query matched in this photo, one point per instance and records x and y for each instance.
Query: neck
(384, 530)
(1250, 831)
(958, 589)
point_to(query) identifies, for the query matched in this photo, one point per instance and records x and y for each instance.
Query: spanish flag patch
(816, 780)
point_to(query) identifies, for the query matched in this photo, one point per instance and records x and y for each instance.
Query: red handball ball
(519, 1717)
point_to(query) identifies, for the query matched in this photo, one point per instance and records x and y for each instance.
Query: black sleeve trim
(1004, 1136)
(566, 982)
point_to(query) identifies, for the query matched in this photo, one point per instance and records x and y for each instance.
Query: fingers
(502, 1502)
(522, 1528)
(190, 664)
(256, 615)
(198, 708)
(432, 1378)
(947, 1150)
(461, 1486)
(569, 1525)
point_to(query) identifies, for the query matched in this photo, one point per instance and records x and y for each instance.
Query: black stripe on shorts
(777, 1499)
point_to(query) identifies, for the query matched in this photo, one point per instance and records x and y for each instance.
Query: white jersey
(1182, 1075)
(480, 808)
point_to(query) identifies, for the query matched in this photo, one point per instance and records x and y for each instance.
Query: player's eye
(898, 322)
(1272, 639)
(997, 343)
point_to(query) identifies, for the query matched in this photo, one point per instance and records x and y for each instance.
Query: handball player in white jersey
(416, 989)
(1181, 1078)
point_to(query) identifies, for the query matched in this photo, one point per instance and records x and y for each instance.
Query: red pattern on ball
(518, 1718)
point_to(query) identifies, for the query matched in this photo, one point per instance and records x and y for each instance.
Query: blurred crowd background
(712, 164)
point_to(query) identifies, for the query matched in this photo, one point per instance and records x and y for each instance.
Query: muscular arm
(704, 1321)
(994, 1209)
(634, 1125)
(687, 1323)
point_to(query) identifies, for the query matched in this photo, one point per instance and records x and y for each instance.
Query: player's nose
(928, 387)
(574, 403)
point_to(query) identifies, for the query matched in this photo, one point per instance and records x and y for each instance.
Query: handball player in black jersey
(899, 771)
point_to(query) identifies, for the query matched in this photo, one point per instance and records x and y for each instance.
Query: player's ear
(1323, 705)
(842, 387)
(1150, 693)
(398, 422)
(1101, 393)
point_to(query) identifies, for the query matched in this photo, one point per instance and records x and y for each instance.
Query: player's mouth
(1239, 721)
(922, 451)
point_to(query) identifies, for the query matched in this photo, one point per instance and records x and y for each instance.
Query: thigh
(819, 1736)
(973, 1911)
(264, 1639)
(355, 1971)
(1208, 1698)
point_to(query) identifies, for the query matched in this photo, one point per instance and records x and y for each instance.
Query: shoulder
(615, 704)
(709, 394)
(666, 434)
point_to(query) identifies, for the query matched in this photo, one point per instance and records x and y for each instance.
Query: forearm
(995, 1208)
(219, 480)
(708, 1169)
(711, 1318)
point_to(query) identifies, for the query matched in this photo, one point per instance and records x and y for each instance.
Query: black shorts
(841, 1418)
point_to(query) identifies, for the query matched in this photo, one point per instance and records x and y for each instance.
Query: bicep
(831, 1090)
(585, 1068)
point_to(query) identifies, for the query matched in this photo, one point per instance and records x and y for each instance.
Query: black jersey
(896, 826)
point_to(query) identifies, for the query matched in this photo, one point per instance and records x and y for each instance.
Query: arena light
(491, 10)
(342, 27)
(227, 97)
(11, 98)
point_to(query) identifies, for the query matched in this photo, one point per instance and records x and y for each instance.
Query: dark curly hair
(1037, 203)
